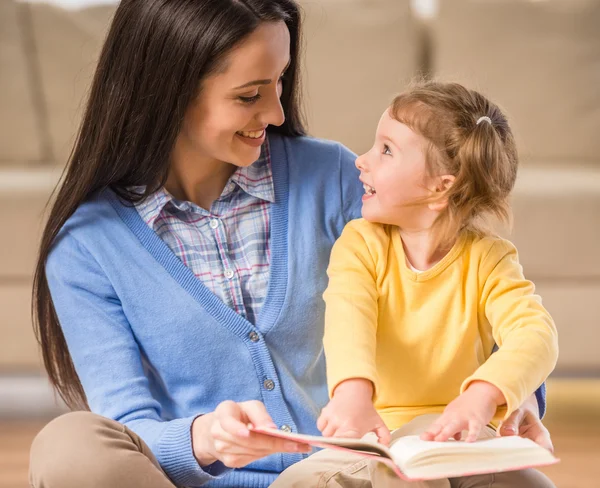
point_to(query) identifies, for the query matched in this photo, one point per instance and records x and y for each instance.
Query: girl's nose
(361, 162)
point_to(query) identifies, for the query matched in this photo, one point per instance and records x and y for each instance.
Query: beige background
(539, 60)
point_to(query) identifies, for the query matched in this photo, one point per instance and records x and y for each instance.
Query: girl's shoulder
(489, 250)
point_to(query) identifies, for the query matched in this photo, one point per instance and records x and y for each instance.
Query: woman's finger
(257, 414)
(231, 419)
(510, 426)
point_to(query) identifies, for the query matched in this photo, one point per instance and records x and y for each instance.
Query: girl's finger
(322, 422)
(433, 430)
(474, 430)
(384, 435)
(329, 429)
(449, 430)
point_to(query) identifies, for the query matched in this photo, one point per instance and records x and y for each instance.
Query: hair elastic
(486, 118)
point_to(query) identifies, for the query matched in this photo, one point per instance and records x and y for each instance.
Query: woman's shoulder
(92, 219)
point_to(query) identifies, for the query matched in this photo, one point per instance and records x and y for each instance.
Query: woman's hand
(351, 413)
(223, 435)
(471, 411)
(525, 421)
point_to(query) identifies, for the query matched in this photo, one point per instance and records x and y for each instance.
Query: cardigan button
(286, 428)
(269, 384)
(254, 337)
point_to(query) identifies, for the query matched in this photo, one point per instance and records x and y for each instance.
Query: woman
(178, 289)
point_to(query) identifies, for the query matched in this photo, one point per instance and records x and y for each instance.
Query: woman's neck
(422, 249)
(197, 179)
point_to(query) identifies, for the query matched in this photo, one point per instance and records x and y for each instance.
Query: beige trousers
(336, 469)
(85, 450)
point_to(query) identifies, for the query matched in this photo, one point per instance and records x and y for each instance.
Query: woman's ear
(443, 184)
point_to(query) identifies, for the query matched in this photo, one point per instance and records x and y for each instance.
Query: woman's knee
(72, 448)
(526, 478)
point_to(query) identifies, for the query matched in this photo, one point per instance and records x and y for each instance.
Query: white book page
(413, 448)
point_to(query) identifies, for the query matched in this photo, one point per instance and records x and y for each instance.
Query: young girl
(420, 290)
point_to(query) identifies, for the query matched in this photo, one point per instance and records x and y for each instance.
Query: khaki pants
(84, 450)
(336, 469)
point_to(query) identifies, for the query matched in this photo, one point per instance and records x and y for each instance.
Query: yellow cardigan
(421, 338)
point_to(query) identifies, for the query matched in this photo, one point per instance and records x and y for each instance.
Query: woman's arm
(109, 364)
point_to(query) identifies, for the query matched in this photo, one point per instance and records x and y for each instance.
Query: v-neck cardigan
(154, 348)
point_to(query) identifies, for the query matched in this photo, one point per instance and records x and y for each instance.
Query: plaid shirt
(228, 247)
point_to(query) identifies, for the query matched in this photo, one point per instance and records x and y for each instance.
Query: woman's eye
(386, 150)
(252, 99)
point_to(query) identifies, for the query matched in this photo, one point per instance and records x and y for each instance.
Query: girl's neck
(421, 248)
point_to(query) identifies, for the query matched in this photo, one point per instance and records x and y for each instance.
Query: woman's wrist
(531, 404)
(201, 440)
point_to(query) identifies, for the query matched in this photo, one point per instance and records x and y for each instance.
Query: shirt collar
(256, 180)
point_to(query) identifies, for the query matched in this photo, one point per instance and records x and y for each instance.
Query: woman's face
(227, 121)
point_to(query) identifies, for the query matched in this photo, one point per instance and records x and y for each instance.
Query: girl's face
(227, 121)
(394, 176)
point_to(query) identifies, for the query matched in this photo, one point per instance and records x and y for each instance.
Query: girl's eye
(386, 150)
(249, 100)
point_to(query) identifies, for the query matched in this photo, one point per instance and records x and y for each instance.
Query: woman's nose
(273, 114)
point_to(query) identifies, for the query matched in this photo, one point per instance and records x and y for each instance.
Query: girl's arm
(351, 310)
(522, 328)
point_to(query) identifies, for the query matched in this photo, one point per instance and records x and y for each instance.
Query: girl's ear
(443, 184)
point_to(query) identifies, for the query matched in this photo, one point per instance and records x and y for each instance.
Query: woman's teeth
(253, 134)
(369, 190)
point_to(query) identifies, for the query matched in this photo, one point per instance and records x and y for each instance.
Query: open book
(414, 459)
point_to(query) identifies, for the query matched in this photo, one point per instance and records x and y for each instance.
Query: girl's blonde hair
(482, 156)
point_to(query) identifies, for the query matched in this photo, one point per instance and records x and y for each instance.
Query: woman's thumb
(511, 425)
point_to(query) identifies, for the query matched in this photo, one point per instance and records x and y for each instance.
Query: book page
(424, 459)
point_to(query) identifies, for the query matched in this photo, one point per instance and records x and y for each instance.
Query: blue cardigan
(154, 348)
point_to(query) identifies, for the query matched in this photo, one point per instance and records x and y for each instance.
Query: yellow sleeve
(350, 310)
(522, 328)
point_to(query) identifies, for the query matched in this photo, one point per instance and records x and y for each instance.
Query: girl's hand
(471, 411)
(350, 413)
(223, 435)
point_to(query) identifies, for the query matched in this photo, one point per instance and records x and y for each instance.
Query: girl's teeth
(369, 190)
(252, 134)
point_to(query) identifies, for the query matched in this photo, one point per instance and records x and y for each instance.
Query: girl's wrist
(355, 387)
(487, 391)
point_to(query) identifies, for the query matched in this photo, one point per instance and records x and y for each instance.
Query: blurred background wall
(538, 59)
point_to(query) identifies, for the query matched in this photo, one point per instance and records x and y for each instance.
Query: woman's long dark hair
(156, 54)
